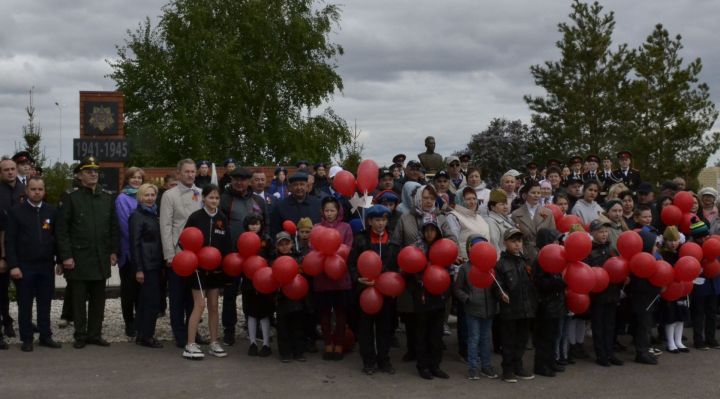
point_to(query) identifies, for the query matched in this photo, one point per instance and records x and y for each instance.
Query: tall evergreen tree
(32, 135)
(584, 109)
(672, 111)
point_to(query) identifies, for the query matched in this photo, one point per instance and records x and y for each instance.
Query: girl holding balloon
(673, 314)
(209, 277)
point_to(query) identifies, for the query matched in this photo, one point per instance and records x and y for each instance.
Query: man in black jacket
(11, 192)
(31, 257)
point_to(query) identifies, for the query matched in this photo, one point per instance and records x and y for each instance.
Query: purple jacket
(125, 205)
(324, 283)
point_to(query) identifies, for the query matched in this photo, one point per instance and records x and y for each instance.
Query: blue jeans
(479, 332)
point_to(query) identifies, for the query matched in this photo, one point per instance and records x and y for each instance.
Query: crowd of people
(416, 204)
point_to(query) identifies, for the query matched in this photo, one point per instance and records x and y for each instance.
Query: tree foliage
(239, 78)
(672, 111)
(600, 100)
(32, 135)
(504, 145)
(349, 155)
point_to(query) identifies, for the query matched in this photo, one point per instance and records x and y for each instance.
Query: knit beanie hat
(498, 195)
(304, 223)
(671, 234)
(698, 228)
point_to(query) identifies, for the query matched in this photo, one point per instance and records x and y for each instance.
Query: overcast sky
(411, 68)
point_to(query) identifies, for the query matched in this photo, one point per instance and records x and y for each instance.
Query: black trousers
(35, 285)
(643, 322)
(428, 338)
(181, 304)
(67, 313)
(603, 328)
(148, 304)
(702, 311)
(291, 337)
(515, 334)
(129, 291)
(375, 335)
(229, 308)
(410, 322)
(462, 329)
(5, 299)
(88, 320)
(544, 336)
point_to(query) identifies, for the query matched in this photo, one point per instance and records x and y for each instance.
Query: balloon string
(199, 284)
(652, 303)
(498, 284)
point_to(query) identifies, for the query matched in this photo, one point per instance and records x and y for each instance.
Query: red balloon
(602, 279)
(567, 221)
(617, 268)
(443, 252)
(191, 239)
(391, 284)
(325, 240)
(335, 267)
(264, 282)
(411, 260)
(313, 263)
(185, 263)
(289, 227)
(686, 222)
(552, 258)
(369, 264)
(556, 211)
(436, 279)
(711, 268)
(671, 215)
(711, 248)
(371, 300)
(253, 264)
(579, 277)
(684, 201)
(673, 292)
(664, 274)
(232, 264)
(296, 289)
(248, 244)
(691, 249)
(577, 246)
(687, 268)
(344, 251)
(284, 269)
(483, 256)
(344, 183)
(643, 265)
(479, 278)
(209, 258)
(576, 302)
(367, 176)
(629, 243)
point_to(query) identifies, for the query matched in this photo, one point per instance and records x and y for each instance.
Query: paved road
(129, 371)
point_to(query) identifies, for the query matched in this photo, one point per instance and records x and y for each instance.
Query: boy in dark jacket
(480, 305)
(375, 331)
(643, 296)
(603, 305)
(290, 315)
(518, 303)
(550, 308)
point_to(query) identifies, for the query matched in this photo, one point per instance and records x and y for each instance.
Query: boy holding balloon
(518, 303)
(372, 254)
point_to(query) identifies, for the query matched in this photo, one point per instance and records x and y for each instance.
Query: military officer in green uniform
(87, 238)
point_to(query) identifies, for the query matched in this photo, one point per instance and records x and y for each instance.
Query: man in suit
(629, 176)
(592, 161)
(259, 186)
(11, 193)
(532, 173)
(31, 225)
(575, 164)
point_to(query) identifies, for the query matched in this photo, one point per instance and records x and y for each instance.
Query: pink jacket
(324, 283)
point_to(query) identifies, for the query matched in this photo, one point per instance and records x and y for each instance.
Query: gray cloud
(411, 68)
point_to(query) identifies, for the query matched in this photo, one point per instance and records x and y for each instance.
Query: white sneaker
(192, 351)
(217, 350)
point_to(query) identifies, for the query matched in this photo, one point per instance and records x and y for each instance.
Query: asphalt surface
(126, 370)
